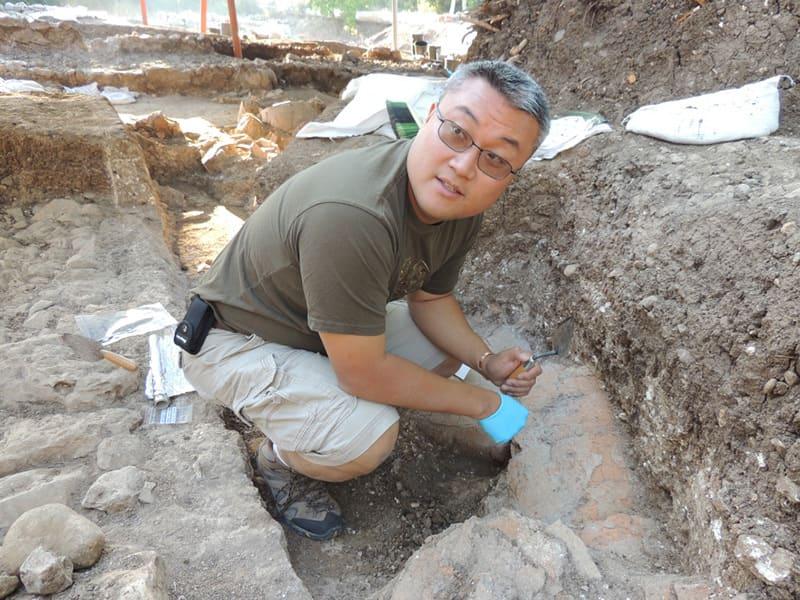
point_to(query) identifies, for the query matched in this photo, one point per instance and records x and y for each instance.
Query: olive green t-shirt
(329, 248)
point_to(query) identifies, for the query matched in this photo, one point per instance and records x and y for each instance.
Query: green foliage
(348, 8)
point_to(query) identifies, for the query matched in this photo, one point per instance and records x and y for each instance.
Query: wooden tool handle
(119, 360)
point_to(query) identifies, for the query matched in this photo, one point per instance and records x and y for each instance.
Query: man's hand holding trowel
(515, 373)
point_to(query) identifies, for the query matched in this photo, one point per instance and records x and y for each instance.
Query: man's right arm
(366, 370)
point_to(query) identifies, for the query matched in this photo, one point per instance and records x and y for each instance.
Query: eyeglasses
(455, 138)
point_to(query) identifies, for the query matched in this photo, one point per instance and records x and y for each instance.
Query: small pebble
(648, 302)
(770, 386)
(780, 388)
(789, 228)
(790, 377)
(570, 270)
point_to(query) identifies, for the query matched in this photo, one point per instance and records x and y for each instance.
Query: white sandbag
(11, 86)
(749, 111)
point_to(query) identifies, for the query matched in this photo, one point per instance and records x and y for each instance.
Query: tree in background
(347, 8)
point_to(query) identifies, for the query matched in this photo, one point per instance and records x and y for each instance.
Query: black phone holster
(192, 331)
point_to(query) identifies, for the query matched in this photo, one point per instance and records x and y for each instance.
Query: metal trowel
(88, 349)
(561, 338)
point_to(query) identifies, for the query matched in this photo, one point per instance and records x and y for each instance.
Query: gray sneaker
(303, 503)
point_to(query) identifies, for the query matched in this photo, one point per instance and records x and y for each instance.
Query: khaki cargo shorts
(293, 396)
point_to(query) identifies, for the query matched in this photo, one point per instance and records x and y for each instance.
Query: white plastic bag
(746, 112)
(568, 131)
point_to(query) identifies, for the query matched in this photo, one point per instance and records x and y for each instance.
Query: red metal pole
(237, 45)
(203, 13)
(143, 4)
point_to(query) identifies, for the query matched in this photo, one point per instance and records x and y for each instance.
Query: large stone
(147, 581)
(23, 491)
(577, 550)
(252, 126)
(115, 491)
(120, 451)
(768, 564)
(289, 116)
(501, 556)
(45, 573)
(8, 583)
(34, 442)
(56, 528)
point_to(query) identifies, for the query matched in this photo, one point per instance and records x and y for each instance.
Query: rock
(146, 495)
(770, 565)
(8, 583)
(6, 243)
(570, 271)
(38, 321)
(86, 256)
(56, 528)
(158, 125)
(256, 78)
(648, 302)
(40, 305)
(791, 378)
(506, 556)
(692, 591)
(792, 457)
(789, 228)
(248, 106)
(45, 573)
(60, 209)
(769, 387)
(252, 126)
(781, 388)
(684, 356)
(55, 438)
(264, 148)
(23, 491)
(289, 116)
(146, 581)
(120, 451)
(577, 550)
(788, 489)
(382, 53)
(115, 491)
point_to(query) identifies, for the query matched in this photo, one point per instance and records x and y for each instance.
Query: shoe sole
(317, 537)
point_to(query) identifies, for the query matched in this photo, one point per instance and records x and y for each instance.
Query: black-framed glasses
(454, 137)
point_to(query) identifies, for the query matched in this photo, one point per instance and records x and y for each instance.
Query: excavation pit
(419, 491)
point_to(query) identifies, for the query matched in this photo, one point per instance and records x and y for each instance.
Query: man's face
(444, 184)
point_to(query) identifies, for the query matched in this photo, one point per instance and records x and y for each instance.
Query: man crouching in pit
(334, 303)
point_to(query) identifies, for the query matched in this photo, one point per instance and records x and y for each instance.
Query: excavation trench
(420, 490)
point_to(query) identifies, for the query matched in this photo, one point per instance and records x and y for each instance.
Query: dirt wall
(679, 264)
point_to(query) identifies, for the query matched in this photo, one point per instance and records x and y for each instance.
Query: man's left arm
(440, 318)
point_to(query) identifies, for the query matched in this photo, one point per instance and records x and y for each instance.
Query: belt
(220, 325)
